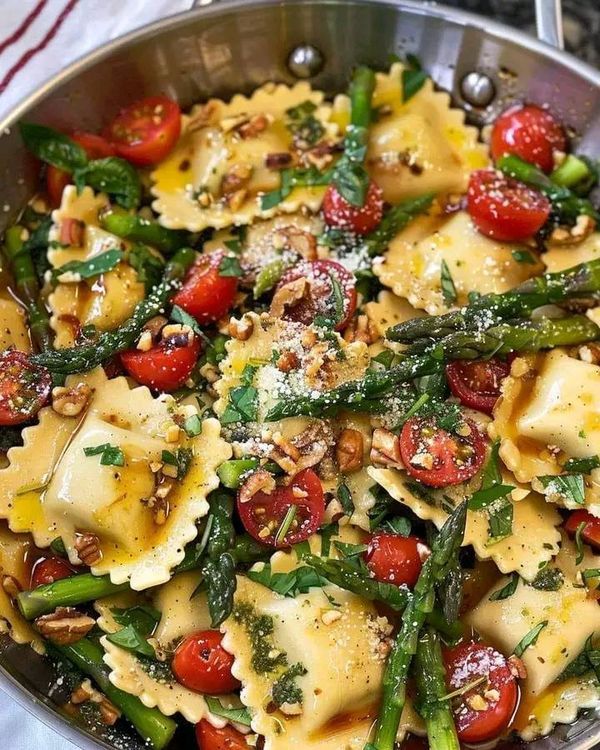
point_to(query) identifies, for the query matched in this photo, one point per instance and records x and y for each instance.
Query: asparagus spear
(443, 550)
(27, 286)
(431, 684)
(153, 726)
(395, 219)
(80, 358)
(133, 227)
(579, 281)
(66, 592)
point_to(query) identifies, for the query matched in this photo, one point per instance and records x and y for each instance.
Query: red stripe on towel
(18, 33)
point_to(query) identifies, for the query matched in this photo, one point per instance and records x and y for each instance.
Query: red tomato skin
(442, 446)
(358, 219)
(466, 662)
(205, 295)
(529, 132)
(141, 140)
(477, 384)
(310, 510)
(14, 366)
(590, 532)
(318, 273)
(56, 181)
(201, 664)
(50, 569)
(164, 367)
(396, 559)
(211, 738)
(503, 209)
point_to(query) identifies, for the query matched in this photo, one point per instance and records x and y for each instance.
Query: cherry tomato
(590, 532)
(505, 209)
(326, 279)
(211, 738)
(166, 366)
(358, 219)
(145, 132)
(266, 512)
(96, 147)
(396, 559)
(24, 387)
(477, 384)
(464, 664)
(201, 664)
(439, 458)
(205, 294)
(529, 132)
(50, 569)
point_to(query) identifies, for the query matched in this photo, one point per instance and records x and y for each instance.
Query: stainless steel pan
(239, 44)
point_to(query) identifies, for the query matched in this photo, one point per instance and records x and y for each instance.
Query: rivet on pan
(305, 61)
(477, 89)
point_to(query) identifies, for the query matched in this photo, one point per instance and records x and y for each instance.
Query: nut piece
(385, 448)
(288, 361)
(88, 548)
(361, 329)
(85, 693)
(109, 713)
(287, 447)
(517, 667)
(241, 329)
(349, 450)
(64, 626)
(236, 177)
(289, 295)
(252, 127)
(69, 402)
(11, 586)
(259, 481)
(476, 702)
(160, 508)
(584, 226)
(330, 616)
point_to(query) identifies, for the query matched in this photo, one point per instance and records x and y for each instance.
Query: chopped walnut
(205, 115)
(590, 353)
(241, 329)
(385, 448)
(362, 329)
(349, 450)
(65, 625)
(83, 693)
(289, 295)
(11, 586)
(254, 126)
(177, 334)
(288, 361)
(87, 547)
(235, 178)
(144, 343)
(584, 226)
(155, 326)
(286, 446)
(160, 508)
(313, 443)
(70, 402)
(109, 713)
(278, 160)
(297, 240)
(517, 667)
(258, 481)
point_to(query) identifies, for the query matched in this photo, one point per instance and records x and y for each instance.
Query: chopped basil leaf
(86, 269)
(385, 358)
(332, 529)
(114, 176)
(131, 639)
(230, 266)
(234, 245)
(571, 487)
(586, 660)
(548, 579)
(579, 542)
(303, 124)
(290, 179)
(58, 547)
(110, 455)
(350, 550)
(582, 465)
(397, 525)
(179, 315)
(529, 639)
(53, 147)
(484, 497)
(448, 289)
(297, 581)
(413, 77)
(243, 405)
(524, 256)
(142, 617)
(148, 266)
(500, 520)
(238, 715)
(507, 590)
(192, 425)
(182, 460)
(345, 497)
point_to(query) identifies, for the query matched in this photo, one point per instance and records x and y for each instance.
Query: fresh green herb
(385, 358)
(53, 147)
(242, 406)
(448, 289)
(110, 455)
(285, 526)
(326, 532)
(297, 581)
(348, 550)
(587, 660)
(219, 577)
(530, 639)
(582, 465)
(397, 525)
(507, 590)
(524, 256)
(413, 77)
(148, 266)
(192, 426)
(548, 579)
(285, 689)
(182, 460)
(230, 266)
(237, 715)
(483, 498)
(234, 245)
(58, 547)
(114, 176)
(131, 639)
(143, 617)
(579, 543)
(345, 497)
(303, 124)
(571, 487)
(86, 269)
(290, 179)
(500, 520)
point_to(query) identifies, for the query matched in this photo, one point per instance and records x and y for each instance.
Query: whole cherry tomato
(529, 132)
(206, 295)
(396, 559)
(505, 209)
(50, 569)
(590, 533)
(437, 457)
(338, 212)
(145, 132)
(166, 366)
(477, 384)
(24, 387)
(211, 738)
(201, 664)
(498, 693)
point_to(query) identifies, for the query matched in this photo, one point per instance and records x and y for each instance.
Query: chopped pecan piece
(109, 713)
(69, 402)
(259, 481)
(64, 626)
(286, 446)
(517, 667)
(385, 448)
(349, 450)
(584, 226)
(88, 548)
(278, 161)
(288, 361)
(254, 126)
(235, 178)
(289, 295)
(314, 444)
(361, 329)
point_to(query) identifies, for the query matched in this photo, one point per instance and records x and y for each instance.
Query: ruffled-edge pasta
(560, 257)
(188, 184)
(13, 329)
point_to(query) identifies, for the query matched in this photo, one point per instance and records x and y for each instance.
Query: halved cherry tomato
(50, 569)
(477, 384)
(145, 132)
(166, 366)
(201, 664)
(24, 387)
(211, 738)
(396, 559)
(439, 458)
(331, 293)
(529, 132)
(96, 147)
(358, 219)
(464, 664)
(206, 295)
(263, 514)
(590, 532)
(505, 209)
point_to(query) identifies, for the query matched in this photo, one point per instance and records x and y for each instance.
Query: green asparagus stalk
(431, 684)
(153, 726)
(580, 281)
(66, 592)
(395, 219)
(27, 286)
(443, 550)
(361, 94)
(81, 358)
(574, 173)
(133, 227)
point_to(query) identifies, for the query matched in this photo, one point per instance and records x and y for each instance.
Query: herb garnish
(507, 590)
(571, 487)
(529, 639)
(86, 269)
(110, 455)
(448, 289)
